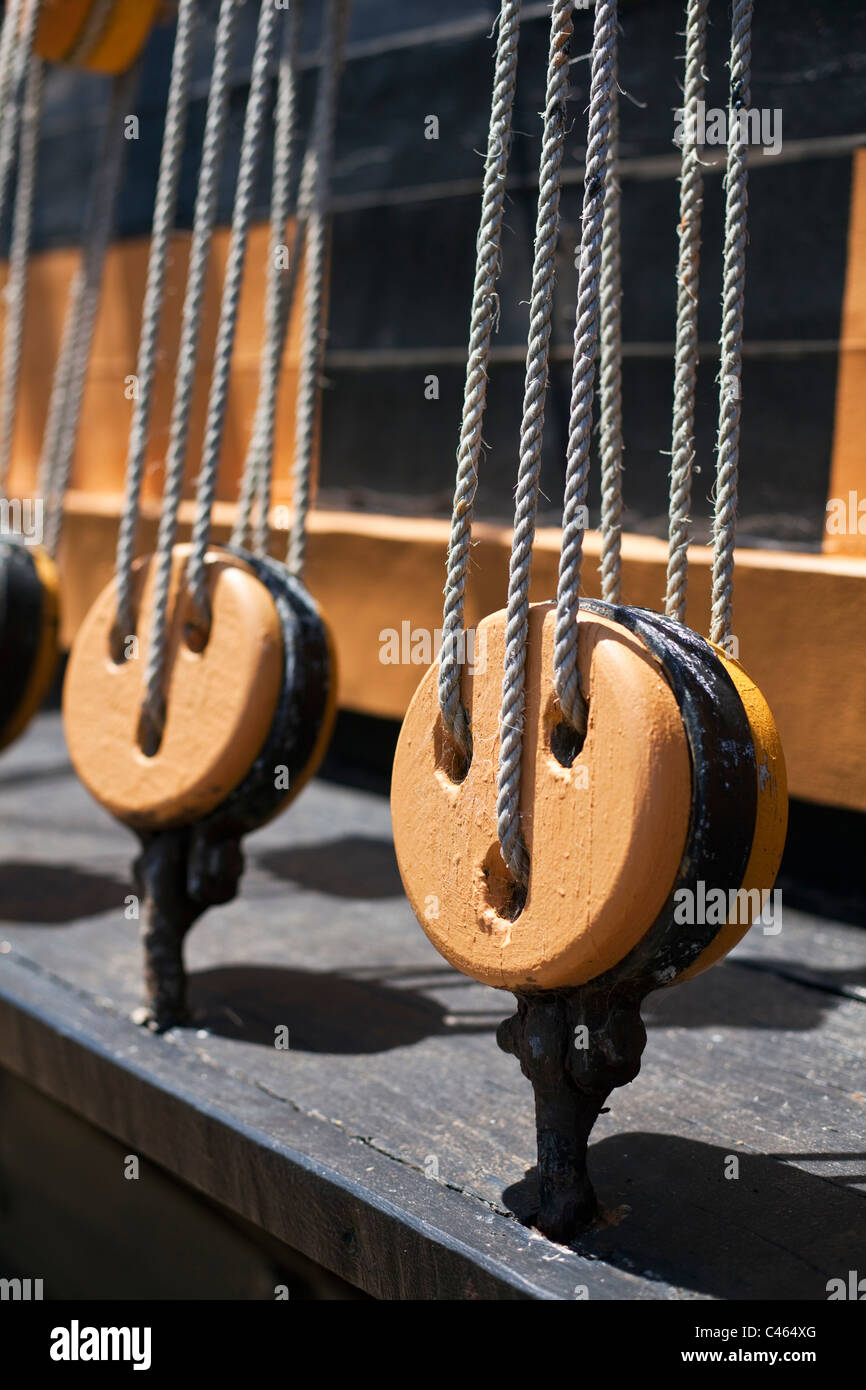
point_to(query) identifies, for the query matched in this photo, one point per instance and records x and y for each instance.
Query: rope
(688, 282)
(526, 502)
(165, 207)
(8, 38)
(16, 46)
(733, 299)
(598, 154)
(9, 43)
(251, 150)
(485, 305)
(59, 385)
(256, 480)
(19, 264)
(203, 224)
(315, 264)
(71, 377)
(610, 368)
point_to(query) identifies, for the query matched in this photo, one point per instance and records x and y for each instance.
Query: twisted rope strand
(60, 386)
(733, 300)
(9, 31)
(688, 284)
(16, 46)
(256, 479)
(283, 281)
(565, 669)
(56, 464)
(202, 233)
(610, 369)
(19, 264)
(484, 311)
(304, 202)
(315, 308)
(526, 502)
(250, 158)
(253, 489)
(165, 208)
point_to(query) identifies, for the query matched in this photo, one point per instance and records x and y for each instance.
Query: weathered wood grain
(393, 1071)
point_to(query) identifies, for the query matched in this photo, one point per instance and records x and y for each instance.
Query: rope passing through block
(201, 690)
(677, 782)
(219, 701)
(258, 694)
(675, 799)
(598, 809)
(248, 717)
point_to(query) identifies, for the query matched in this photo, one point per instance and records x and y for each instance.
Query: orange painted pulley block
(103, 36)
(653, 843)
(29, 623)
(248, 712)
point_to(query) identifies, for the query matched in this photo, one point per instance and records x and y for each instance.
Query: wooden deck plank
(393, 1071)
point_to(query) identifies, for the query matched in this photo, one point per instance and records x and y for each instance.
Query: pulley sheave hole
(197, 635)
(449, 757)
(505, 896)
(566, 743)
(150, 732)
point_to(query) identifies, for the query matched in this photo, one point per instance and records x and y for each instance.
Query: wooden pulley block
(247, 715)
(678, 788)
(103, 36)
(29, 620)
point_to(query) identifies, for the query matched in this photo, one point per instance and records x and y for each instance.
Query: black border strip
(302, 704)
(724, 788)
